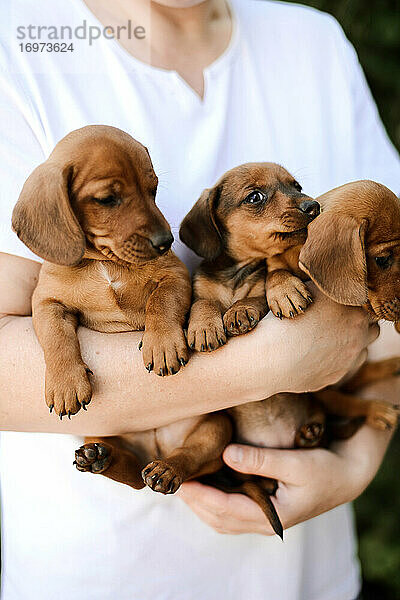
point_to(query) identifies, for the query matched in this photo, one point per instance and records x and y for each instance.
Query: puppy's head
(97, 188)
(352, 250)
(254, 211)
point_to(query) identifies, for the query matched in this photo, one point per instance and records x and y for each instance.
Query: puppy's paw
(69, 390)
(289, 298)
(94, 457)
(206, 335)
(382, 415)
(164, 352)
(309, 435)
(161, 477)
(241, 318)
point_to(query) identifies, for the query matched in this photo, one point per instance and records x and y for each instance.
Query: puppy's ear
(43, 218)
(199, 229)
(334, 257)
(397, 326)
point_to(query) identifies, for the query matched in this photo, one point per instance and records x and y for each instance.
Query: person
(212, 84)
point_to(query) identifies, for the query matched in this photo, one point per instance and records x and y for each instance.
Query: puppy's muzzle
(311, 208)
(162, 241)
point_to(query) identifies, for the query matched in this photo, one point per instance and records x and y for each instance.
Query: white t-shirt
(288, 89)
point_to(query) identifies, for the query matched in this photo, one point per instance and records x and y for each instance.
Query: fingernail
(234, 454)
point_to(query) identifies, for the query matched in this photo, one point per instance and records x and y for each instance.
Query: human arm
(311, 481)
(127, 398)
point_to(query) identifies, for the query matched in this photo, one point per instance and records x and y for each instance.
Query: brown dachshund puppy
(250, 228)
(90, 212)
(255, 214)
(352, 254)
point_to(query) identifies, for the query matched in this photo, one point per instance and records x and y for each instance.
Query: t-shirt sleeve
(374, 154)
(20, 153)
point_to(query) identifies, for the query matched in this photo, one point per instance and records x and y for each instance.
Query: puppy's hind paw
(93, 457)
(382, 415)
(161, 477)
(309, 435)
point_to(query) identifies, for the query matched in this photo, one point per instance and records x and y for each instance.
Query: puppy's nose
(162, 241)
(311, 208)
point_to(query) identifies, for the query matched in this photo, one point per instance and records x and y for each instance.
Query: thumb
(267, 462)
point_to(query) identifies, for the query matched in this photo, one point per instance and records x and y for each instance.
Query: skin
(185, 41)
(183, 36)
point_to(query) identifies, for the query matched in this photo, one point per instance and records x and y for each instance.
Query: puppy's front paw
(207, 334)
(382, 415)
(241, 318)
(164, 352)
(289, 298)
(161, 477)
(94, 457)
(68, 390)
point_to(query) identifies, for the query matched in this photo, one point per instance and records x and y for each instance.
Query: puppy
(352, 254)
(251, 228)
(90, 212)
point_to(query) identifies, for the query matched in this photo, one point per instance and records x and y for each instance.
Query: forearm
(125, 396)
(277, 356)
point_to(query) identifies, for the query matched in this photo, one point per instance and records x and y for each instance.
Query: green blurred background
(373, 26)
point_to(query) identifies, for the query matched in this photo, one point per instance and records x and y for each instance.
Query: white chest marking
(115, 283)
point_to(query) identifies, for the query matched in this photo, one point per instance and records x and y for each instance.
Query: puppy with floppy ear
(352, 254)
(256, 214)
(89, 210)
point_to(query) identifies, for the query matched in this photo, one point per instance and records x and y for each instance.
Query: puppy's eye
(297, 186)
(107, 201)
(255, 197)
(384, 262)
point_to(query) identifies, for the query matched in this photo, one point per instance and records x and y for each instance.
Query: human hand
(310, 482)
(320, 347)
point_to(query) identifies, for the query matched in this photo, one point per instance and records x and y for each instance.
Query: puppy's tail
(263, 499)
(226, 481)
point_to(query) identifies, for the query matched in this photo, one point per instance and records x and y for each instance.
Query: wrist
(363, 455)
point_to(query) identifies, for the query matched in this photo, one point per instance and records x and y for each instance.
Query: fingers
(289, 466)
(225, 513)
